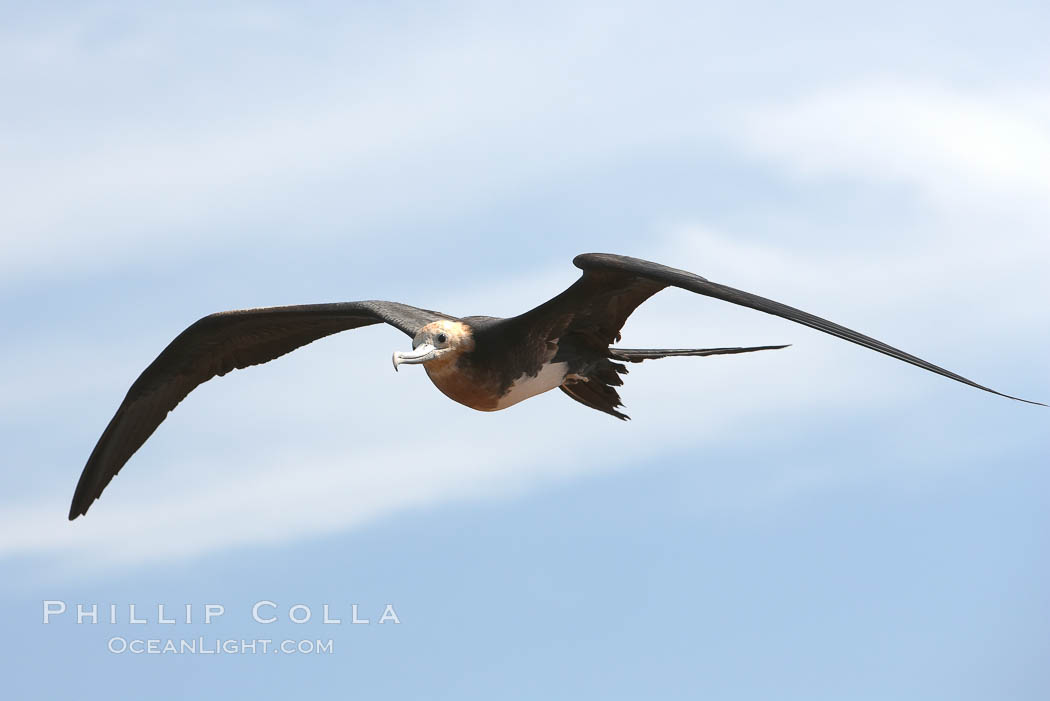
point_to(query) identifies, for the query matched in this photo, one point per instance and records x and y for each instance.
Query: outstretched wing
(596, 306)
(215, 345)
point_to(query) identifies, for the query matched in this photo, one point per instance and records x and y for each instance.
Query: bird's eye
(441, 338)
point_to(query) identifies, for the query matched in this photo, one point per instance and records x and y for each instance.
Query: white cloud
(133, 185)
(956, 148)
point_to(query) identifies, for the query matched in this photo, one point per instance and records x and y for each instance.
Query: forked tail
(637, 355)
(596, 385)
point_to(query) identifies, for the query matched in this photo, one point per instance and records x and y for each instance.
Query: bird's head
(437, 345)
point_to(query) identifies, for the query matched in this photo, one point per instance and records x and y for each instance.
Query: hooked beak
(414, 357)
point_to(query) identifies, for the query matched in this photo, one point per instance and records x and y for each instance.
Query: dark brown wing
(612, 286)
(591, 312)
(215, 345)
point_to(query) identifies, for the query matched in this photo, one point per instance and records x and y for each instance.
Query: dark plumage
(483, 362)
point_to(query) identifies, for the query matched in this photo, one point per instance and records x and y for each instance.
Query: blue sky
(820, 522)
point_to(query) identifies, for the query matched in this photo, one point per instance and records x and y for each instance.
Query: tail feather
(600, 397)
(596, 385)
(598, 389)
(637, 355)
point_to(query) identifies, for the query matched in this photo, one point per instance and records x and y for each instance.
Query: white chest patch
(550, 376)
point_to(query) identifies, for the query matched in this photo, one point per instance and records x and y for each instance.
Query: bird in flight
(483, 362)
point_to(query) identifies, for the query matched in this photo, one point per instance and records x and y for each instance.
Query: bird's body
(488, 379)
(482, 362)
(551, 375)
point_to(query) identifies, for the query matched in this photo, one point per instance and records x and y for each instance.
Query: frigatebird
(483, 362)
